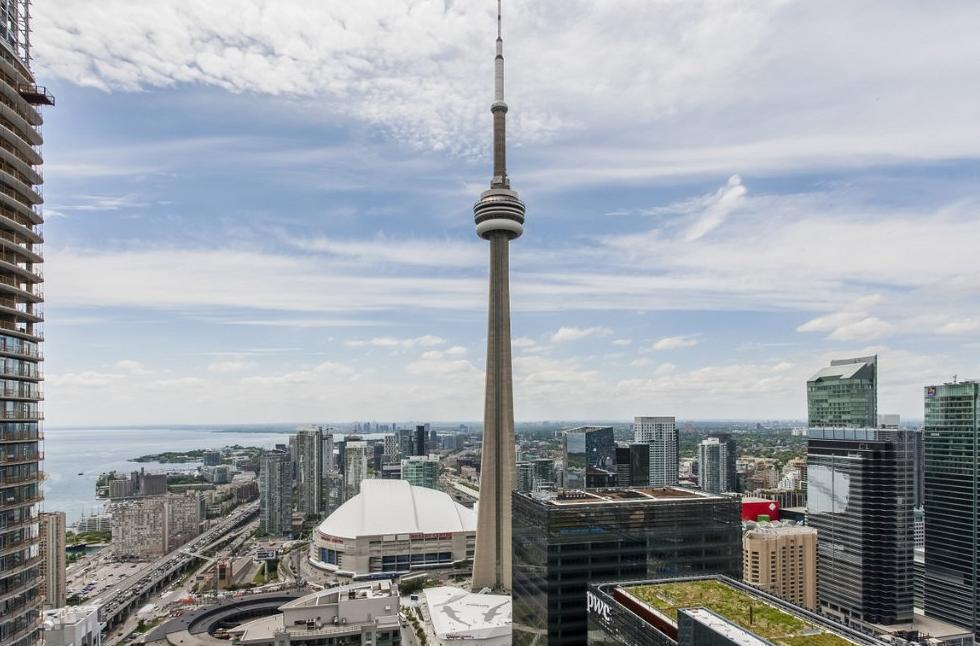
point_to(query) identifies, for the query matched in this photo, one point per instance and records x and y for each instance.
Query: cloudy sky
(261, 211)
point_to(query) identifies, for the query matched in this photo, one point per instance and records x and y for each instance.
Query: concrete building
(361, 613)
(147, 528)
(860, 494)
(499, 218)
(421, 471)
(72, 626)
(564, 540)
(952, 503)
(706, 611)
(456, 615)
(212, 458)
(393, 527)
(406, 442)
(275, 493)
(53, 566)
(844, 394)
(355, 467)
(99, 523)
(589, 457)
(390, 452)
(21, 299)
(782, 560)
(311, 485)
(660, 433)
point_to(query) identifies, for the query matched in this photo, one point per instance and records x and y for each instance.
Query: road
(126, 596)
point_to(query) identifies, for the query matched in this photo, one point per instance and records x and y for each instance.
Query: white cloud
(852, 323)
(572, 333)
(133, 367)
(228, 366)
(523, 342)
(85, 379)
(622, 341)
(425, 341)
(717, 208)
(675, 342)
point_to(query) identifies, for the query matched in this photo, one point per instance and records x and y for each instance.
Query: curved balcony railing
(21, 436)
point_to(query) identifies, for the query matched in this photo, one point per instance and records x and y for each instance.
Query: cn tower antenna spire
(499, 110)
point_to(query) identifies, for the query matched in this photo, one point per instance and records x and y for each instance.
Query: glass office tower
(861, 489)
(21, 300)
(952, 485)
(565, 540)
(589, 454)
(845, 394)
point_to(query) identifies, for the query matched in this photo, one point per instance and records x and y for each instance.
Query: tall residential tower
(20, 330)
(499, 216)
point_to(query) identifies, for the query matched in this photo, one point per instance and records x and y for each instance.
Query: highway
(126, 596)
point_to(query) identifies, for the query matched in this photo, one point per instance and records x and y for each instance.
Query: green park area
(750, 613)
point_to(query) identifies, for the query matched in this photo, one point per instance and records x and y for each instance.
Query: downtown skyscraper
(20, 330)
(660, 433)
(844, 394)
(312, 479)
(952, 496)
(499, 217)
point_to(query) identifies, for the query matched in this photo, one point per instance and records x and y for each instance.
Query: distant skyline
(262, 212)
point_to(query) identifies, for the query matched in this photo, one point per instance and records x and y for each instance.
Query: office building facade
(275, 493)
(782, 560)
(421, 471)
(565, 540)
(589, 457)
(660, 434)
(844, 394)
(53, 567)
(860, 498)
(952, 486)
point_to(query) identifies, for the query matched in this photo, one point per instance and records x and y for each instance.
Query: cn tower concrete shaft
(492, 561)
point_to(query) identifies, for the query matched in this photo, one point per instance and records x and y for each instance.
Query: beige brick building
(782, 560)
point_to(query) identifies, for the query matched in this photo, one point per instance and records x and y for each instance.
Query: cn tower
(499, 216)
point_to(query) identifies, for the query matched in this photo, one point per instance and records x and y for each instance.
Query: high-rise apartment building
(390, 451)
(147, 528)
(660, 433)
(275, 493)
(716, 465)
(860, 497)
(589, 457)
(420, 445)
(311, 485)
(782, 560)
(53, 567)
(421, 471)
(565, 540)
(20, 330)
(952, 502)
(355, 467)
(844, 394)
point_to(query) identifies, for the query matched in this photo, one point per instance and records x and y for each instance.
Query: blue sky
(261, 211)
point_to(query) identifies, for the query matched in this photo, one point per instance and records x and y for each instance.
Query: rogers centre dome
(393, 527)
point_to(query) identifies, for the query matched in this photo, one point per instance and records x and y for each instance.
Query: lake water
(68, 452)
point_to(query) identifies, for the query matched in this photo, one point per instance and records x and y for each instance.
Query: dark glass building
(861, 486)
(845, 394)
(589, 454)
(952, 486)
(565, 540)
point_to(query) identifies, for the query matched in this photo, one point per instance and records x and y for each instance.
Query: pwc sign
(595, 605)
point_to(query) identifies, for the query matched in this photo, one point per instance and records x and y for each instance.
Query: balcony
(11, 437)
(35, 94)
(12, 460)
(21, 415)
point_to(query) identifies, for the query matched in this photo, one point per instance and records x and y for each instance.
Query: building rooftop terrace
(566, 497)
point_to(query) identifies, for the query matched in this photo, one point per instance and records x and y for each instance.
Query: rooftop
(620, 495)
(458, 614)
(762, 616)
(367, 590)
(396, 507)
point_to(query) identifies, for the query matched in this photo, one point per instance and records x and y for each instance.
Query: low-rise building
(456, 615)
(392, 526)
(72, 626)
(362, 613)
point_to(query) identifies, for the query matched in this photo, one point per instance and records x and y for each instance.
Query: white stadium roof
(397, 507)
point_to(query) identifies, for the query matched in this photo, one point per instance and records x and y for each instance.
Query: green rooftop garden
(742, 609)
